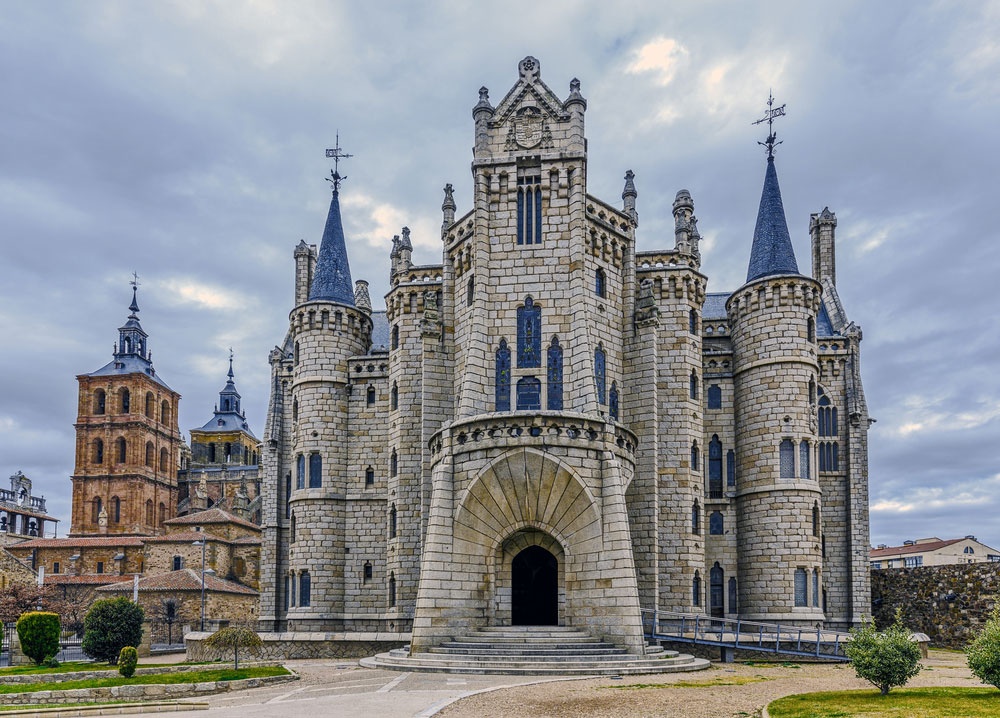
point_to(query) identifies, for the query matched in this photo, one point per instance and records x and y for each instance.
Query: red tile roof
(82, 542)
(213, 515)
(90, 579)
(187, 537)
(187, 579)
(923, 547)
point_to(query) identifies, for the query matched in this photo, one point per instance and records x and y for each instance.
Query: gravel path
(725, 690)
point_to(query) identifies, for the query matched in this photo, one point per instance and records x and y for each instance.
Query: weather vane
(337, 154)
(135, 280)
(768, 117)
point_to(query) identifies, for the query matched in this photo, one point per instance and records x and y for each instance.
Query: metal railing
(737, 634)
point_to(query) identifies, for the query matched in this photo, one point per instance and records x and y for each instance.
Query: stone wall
(948, 603)
(288, 646)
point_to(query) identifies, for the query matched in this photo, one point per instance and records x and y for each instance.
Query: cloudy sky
(185, 141)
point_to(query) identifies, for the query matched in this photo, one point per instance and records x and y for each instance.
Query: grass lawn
(900, 703)
(218, 674)
(77, 666)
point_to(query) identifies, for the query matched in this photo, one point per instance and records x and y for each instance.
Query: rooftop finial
(768, 117)
(337, 154)
(134, 306)
(230, 364)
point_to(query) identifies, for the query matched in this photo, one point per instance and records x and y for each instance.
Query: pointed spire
(628, 197)
(229, 397)
(332, 279)
(131, 337)
(772, 251)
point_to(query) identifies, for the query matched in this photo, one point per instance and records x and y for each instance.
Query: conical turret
(772, 251)
(332, 280)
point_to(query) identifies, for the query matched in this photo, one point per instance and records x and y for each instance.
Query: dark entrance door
(716, 583)
(534, 588)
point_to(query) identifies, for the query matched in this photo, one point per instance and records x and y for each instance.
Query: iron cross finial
(135, 280)
(768, 117)
(337, 154)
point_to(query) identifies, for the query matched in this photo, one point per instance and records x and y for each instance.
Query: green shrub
(110, 625)
(983, 653)
(127, 661)
(884, 658)
(38, 632)
(235, 637)
(51, 662)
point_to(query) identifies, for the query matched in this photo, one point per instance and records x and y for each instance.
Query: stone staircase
(534, 650)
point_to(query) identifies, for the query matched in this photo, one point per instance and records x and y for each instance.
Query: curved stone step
(420, 664)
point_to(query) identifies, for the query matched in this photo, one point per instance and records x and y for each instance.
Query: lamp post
(202, 543)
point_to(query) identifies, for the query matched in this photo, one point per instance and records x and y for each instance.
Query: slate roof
(772, 251)
(129, 364)
(227, 421)
(332, 278)
(715, 306)
(380, 332)
(187, 579)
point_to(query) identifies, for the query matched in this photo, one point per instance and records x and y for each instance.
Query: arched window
(295, 410)
(392, 590)
(300, 471)
(150, 454)
(393, 463)
(696, 518)
(801, 589)
(369, 476)
(733, 607)
(95, 509)
(815, 588)
(395, 337)
(693, 321)
(695, 456)
(714, 397)
(811, 329)
(827, 415)
(367, 574)
(150, 405)
(554, 400)
(98, 452)
(502, 380)
(164, 412)
(392, 521)
(716, 586)
(164, 459)
(305, 589)
(731, 468)
(470, 291)
(786, 459)
(805, 470)
(116, 510)
(715, 467)
(600, 369)
(600, 283)
(815, 519)
(529, 334)
(292, 532)
(529, 210)
(696, 589)
(150, 515)
(394, 397)
(162, 513)
(693, 385)
(370, 398)
(291, 585)
(124, 401)
(828, 458)
(716, 524)
(529, 394)
(122, 449)
(315, 471)
(100, 401)
(613, 401)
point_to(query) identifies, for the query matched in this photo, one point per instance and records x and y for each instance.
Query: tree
(127, 661)
(234, 637)
(884, 658)
(983, 654)
(110, 625)
(38, 632)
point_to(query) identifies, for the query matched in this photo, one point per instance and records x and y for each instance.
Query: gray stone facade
(551, 427)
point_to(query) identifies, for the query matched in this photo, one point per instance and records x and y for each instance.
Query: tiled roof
(213, 515)
(90, 579)
(332, 277)
(82, 542)
(247, 540)
(772, 247)
(187, 579)
(923, 547)
(380, 331)
(187, 537)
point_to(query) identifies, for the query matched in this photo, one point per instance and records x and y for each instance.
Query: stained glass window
(503, 377)
(786, 459)
(529, 394)
(731, 468)
(529, 334)
(554, 399)
(599, 373)
(714, 397)
(715, 467)
(613, 401)
(315, 471)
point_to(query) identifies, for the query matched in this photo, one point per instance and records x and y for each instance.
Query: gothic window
(122, 449)
(150, 452)
(292, 529)
(827, 415)
(801, 590)
(288, 494)
(613, 400)
(95, 509)
(394, 397)
(786, 459)
(695, 455)
(369, 476)
(295, 410)
(599, 373)
(828, 459)
(395, 338)
(98, 451)
(554, 400)
(529, 210)
(732, 595)
(693, 322)
(392, 590)
(100, 401)
(804, 468)
(162, 513)
(815, 588)
(393, 463)
(811, 329)
(470, 291)
(715, 467)
(291, 584)
(116, 510)
(529, 394)
(600, 283)
(696, 589)
(178, 563)
(305, 589)
(150, 405)
(731, 468)
(164, 412)
(716, 524)
(693, 385)
(149, 512)
(367, 571)
(124, 401)
(315, 471)
(714, 397)
(696, 518)
(716, 584)
(228, 452)
(300, 471)
(295, 354)
(815, 519)
(503, 377)
(370, 396)
(393, 516)
(529, 334)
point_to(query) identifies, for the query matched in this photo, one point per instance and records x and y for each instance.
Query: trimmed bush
(127, 661)
(983, 654)
(110, 625)
(884, 658)
(235, 637)
(38, 632)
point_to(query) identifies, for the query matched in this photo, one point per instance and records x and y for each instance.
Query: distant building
(932, 552)
(22, 515)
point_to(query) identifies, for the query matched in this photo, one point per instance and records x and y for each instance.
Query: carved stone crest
(528, 127)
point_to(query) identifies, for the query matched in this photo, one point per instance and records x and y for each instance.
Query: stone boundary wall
(141, 692)
(948, 603)
(296, 645)
(113, 672)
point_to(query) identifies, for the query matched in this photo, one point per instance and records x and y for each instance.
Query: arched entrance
(534, 588)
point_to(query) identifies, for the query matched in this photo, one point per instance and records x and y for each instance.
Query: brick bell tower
(127, 442)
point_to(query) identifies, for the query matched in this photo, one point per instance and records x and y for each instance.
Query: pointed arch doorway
(534, 588)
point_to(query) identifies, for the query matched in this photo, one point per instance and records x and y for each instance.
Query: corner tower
(127, 442)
